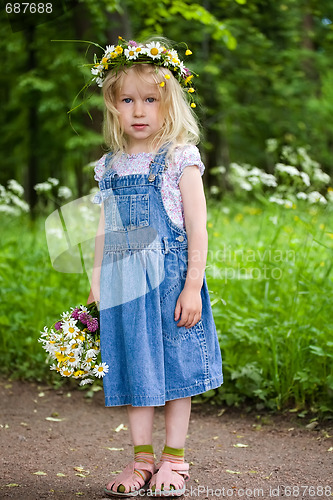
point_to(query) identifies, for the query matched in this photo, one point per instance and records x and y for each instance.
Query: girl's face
(138, 102)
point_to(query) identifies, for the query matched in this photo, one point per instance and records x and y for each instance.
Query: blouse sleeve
(185, 157)
(98, 173)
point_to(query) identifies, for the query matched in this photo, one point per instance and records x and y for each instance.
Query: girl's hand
(189, 307)
(93, 295)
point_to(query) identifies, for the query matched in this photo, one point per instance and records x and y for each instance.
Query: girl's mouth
(139, 126)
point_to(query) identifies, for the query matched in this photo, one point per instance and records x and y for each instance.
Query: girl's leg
(141, 428)
(177, 417)
(141, 420)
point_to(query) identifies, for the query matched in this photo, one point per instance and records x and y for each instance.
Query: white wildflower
(20, 203)
(239, 169)
(268, 180)
(288, 169)
(53, 181)
(271, 145)
(245, 185)
(6, 209)
(289, 154)
(64, 192)
(14, 186)
(301, 195)
(274, 219)
(321, 176)
(305, 178)
(275, 199)
(43, 187)
(316, 197)
(253, 180)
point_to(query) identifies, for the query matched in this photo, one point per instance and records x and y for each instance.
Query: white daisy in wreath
(132, 52)
(172, 58)
(108, 50)
(153, 50)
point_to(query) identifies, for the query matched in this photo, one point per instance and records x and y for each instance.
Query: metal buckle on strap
(166, 244)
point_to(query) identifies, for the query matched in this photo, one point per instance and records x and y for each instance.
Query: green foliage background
(265, 72)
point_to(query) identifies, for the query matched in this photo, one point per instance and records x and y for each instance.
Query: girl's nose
(138, 108)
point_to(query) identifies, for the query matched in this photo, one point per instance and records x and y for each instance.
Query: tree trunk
(32, 125)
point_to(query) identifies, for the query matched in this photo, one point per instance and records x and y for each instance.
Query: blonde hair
(180, 126)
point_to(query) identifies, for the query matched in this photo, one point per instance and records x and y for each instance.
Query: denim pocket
(176, 334)
(124, 212)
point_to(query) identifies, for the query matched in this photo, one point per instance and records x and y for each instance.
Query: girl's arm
(189, 306)
(94, 294)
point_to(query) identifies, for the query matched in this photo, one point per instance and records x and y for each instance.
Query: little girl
(158, 335)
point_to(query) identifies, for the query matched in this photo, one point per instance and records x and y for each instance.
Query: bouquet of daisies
(73, 344)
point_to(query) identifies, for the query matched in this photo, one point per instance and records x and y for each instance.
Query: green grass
(275, 318)
(270, 283)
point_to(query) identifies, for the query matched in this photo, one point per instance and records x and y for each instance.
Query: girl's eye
(127, 100)
(151, 99)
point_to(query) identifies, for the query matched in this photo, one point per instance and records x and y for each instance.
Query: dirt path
(78, 453)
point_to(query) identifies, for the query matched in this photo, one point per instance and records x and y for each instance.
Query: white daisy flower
(172, 58)
(301, 195)
(72, 361)
(131, 52)
(182, 68)
(100, 370)
(45, 332)
(69, 328)
(86, 381)
(108, 50)
(66, 316)
(153, 50)
(66, 371)
(91, 353)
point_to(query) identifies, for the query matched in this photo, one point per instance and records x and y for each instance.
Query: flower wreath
(128, 53)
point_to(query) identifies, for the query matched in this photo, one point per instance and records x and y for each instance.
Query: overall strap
(157, 166)
(104, 182)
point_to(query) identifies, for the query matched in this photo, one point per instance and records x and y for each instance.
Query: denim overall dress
(151, 360)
